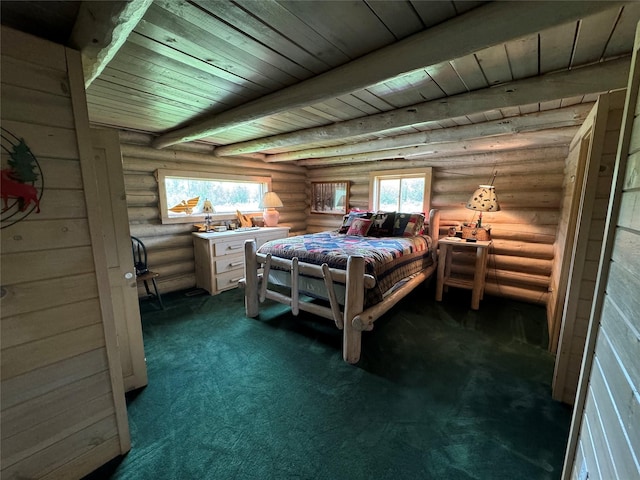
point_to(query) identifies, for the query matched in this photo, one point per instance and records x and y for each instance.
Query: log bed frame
(353, 319)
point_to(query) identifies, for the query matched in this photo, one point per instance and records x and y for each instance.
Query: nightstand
(476, 285)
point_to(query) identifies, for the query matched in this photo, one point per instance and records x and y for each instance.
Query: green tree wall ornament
(22, 182)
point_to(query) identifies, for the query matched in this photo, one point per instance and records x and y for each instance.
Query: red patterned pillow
(360, 227)
(350, 217)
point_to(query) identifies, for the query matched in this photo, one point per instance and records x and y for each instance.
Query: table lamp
(271, 201)
(208, 209)
(483, 200)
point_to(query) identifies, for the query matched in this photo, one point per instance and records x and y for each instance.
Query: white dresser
(219, 256)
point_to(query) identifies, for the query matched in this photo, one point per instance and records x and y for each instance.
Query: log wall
(170, 247)
(529, 189)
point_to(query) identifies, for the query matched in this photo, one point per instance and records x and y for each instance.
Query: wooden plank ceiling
(324, 81)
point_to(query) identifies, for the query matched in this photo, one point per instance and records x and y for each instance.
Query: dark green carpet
(441, 392)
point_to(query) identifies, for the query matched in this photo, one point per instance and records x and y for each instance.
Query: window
(182, 194)
(401, 190)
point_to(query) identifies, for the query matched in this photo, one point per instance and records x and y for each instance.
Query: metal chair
(143, 274)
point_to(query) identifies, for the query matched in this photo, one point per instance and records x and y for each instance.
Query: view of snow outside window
(226, 196)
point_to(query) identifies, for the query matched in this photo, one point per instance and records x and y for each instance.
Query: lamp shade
(271, 200)
(208, 207)
(484, 199)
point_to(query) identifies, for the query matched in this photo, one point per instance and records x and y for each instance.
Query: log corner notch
(101, 28)
(417, 51)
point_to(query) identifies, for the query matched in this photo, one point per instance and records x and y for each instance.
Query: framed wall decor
(330, 197)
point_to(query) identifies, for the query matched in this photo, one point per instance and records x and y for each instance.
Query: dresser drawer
(227, 280)
(229, 263)
(229, 247)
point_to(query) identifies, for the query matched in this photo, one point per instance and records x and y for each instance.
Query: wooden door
(124, 293)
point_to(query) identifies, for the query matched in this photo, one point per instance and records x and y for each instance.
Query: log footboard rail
(353, 319)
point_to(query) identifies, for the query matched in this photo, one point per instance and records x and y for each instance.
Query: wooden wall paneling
(23, 358)
(24, 105)
(53, 429)
(28, 235)
(46, 54)
(611, 391)
(601, 448)
(34, 77)
(46, 140)
(611, 353)
(44, 381)
(622, 335)
(58, 401)
(78, 453)
(32, 326)
(31, 413)
(68, 262)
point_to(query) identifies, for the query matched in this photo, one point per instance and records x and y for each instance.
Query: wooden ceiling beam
(600, 77)
(100, 30)
(562, 117)
(492, 24)
(543, 138)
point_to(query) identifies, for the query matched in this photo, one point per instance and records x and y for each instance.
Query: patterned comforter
(388, 259)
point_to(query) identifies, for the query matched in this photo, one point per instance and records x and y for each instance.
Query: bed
(358, 278)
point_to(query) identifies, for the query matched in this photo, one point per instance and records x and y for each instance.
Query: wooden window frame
(374, 179)
(162, 174)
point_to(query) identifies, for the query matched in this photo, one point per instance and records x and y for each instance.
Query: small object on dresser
(452, 231)
(244, 220)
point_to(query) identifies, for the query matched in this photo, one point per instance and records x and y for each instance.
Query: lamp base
(271, 217)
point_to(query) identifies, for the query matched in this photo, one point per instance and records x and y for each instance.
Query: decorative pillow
(408, 224)
(382, 224)
(360, 227)
(350, 217)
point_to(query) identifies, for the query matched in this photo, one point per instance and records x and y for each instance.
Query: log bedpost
(251, 279)
(354, 304)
